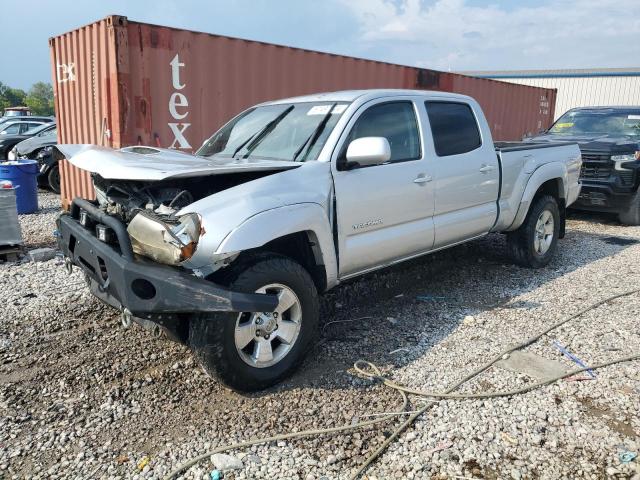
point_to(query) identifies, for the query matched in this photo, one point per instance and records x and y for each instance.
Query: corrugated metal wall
(220, 76)
(119, 83)
(83, 70)
(587, 91)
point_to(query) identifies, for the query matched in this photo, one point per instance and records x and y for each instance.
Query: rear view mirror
(367, 151)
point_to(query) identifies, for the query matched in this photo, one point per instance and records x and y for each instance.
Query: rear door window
(454, 128)
(395, 121)
(12, 129)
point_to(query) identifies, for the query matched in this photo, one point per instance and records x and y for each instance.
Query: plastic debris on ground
(627, 457)
(143, 463)
(573, 358)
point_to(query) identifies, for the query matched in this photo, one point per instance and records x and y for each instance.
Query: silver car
(227, 250)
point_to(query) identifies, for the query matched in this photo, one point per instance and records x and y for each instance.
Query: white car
(19, 127)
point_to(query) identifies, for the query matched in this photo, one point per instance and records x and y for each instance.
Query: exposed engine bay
(126, 198)
(150, 211)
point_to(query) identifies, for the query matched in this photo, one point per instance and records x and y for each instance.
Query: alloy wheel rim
(543, 235)
(263, 339)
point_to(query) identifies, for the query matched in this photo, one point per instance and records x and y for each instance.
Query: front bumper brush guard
(142, 287)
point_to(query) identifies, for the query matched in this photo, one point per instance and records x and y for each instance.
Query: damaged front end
(140, 247)
(120, 267)
(150, 212)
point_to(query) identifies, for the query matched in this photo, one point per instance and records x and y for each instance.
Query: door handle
(486, 168)
(423, 179)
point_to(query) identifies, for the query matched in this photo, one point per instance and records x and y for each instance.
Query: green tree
(11, 97)
(4, 102)
(40, 99)
(15, 96)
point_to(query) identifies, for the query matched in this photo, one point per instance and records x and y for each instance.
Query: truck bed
(519, 161)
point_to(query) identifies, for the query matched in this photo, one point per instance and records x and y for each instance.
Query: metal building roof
(563, 73)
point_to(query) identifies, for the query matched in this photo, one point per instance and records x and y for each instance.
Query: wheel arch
(549, 179)
(301, 232)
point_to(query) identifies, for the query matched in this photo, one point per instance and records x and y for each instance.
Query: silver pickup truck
(227, 250)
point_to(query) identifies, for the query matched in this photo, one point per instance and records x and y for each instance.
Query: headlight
(620, 159)
(624, 158)
(165, 242)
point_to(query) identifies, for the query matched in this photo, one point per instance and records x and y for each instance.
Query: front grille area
(596, 166)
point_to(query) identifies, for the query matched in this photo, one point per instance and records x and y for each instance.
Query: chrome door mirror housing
(368, 151)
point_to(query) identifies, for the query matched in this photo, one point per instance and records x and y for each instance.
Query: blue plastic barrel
(23, 174)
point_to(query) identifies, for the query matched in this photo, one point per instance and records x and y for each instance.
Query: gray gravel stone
(82, 398)
(226, 462)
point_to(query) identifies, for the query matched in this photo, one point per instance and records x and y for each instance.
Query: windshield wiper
(257, 137)
(313, 138)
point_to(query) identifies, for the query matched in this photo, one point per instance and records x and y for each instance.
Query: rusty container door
(85, 89)
(120, 83)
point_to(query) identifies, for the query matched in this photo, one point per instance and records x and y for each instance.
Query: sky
(450, 35)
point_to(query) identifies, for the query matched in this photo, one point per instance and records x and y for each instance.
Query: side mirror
(367, 151)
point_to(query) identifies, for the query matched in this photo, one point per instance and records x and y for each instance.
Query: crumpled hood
(151, 163)
(224, 211)
(598, 143)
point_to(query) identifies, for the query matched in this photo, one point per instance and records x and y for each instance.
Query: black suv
(609, 139)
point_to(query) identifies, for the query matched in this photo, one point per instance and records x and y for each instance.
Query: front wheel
(53, 179)
(251, 351)
(534, 243)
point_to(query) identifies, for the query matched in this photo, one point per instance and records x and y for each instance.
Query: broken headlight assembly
(170, 242)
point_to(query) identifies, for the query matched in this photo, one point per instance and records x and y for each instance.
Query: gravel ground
(80, 397)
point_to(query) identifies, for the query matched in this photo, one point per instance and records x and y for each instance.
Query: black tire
(211, 336)
(521, 241)
(631, 216)
(53, 178)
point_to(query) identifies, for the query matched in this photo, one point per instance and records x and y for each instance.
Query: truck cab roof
(364, 95)
(610, 107)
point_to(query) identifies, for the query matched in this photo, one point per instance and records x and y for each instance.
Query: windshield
(602, 121)
(291, 132)
(40, 129)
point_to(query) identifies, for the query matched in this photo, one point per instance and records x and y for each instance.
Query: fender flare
(269, 225)
(549, 171)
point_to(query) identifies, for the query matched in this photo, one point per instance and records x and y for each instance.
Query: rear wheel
(631, 216)
(251, 351)
(534, 243)
(53, 178)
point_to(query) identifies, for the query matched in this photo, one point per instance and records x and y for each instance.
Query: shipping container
(119, 83)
